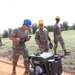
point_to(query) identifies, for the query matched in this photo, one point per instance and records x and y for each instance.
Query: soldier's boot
(65, 52)
(63, 47)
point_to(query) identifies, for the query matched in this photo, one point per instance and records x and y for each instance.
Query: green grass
(6, 45)
(0, 35)
(69, 39)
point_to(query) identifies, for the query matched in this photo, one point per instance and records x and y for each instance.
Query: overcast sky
(13, 12)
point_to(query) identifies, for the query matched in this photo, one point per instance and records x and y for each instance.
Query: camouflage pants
(59, 39)
(45, 48)
(17, 51)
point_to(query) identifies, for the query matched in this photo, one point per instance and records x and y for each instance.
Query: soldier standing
(57, 36)
(17, 49)
(42, 37)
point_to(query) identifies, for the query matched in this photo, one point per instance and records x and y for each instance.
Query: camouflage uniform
(17, 48)
(58, 37)
(41, 38)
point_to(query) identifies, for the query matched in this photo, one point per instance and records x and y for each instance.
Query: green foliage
(5, 34)
(73, 26)
(10, 30)
(65, 25)
(34, 27)
(49, 28)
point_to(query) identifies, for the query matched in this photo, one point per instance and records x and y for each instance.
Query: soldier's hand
(17, 39)
(40, 46)
(27, 39)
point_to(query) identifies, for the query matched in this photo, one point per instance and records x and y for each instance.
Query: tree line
(34, 27)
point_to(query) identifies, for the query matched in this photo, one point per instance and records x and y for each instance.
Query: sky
(13, 12)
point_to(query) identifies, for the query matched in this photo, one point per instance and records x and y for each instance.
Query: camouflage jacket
(41, 36)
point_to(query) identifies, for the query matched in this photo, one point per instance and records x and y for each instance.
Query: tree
(73, 26)
(49, 28)
(61, 26)
(34, 27)
(5, 34)
(9, 30)
(30, 31)
(65, 25)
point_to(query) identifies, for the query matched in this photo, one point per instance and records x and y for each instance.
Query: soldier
(57, 36)
(17, 49)
(42, 37)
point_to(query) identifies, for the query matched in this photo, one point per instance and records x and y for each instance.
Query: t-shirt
(19, 33)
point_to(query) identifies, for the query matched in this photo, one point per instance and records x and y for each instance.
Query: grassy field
(68, 61)
(69, 39)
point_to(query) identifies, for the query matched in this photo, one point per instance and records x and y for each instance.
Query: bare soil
(6, 66)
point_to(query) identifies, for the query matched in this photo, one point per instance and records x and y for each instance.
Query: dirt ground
(6, 67)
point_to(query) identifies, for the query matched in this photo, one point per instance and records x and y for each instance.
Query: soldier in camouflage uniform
(15, 36)
(57, 36)
(42, 37)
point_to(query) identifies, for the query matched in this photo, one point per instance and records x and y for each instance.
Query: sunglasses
(40, 24)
